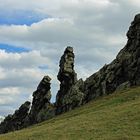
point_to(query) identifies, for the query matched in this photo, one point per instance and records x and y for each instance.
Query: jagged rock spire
(41, 101)
(66, 76)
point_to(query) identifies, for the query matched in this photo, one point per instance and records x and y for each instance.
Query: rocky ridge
(123, 72)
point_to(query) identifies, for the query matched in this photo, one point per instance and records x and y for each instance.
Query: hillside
(114, 117)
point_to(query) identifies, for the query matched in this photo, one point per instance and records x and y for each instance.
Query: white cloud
(6, 100)
(9, 91)
(135, 3)
(22, 60)
(2, 73)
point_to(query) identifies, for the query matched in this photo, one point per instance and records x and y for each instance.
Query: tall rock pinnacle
(66, 76)
(41, 101)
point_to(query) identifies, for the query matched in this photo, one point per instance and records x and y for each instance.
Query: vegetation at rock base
(113, 117)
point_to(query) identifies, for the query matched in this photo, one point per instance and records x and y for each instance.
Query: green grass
(114, 117)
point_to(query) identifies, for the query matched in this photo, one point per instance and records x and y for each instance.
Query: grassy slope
(115, 117)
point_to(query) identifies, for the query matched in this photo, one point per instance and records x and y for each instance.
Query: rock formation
(123, 72)
(15, 121)
(74, 97)
(41, 108)
(67, 78)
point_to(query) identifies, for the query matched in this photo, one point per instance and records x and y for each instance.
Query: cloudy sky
(34, 34)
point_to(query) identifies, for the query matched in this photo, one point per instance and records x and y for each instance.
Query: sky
(34, 34)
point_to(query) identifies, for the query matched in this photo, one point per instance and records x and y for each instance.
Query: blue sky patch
(13, 49)
(20, 17)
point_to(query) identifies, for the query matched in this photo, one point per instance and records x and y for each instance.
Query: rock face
(15, 121)
(41, 108)
(123, 72)
(68, 79)
(74, 97)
